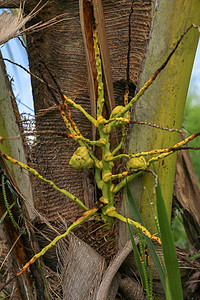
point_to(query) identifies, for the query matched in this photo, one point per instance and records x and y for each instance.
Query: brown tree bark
(62, 49)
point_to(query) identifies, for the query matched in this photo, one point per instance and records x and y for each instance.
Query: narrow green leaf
(169, 250)
(45, 282)
(168, 293)
(4, 215)
(137, 258)
(138, 218)
(195, 256)
(133, 207)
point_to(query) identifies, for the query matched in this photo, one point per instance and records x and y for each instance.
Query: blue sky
(194, 87)
(21, 80)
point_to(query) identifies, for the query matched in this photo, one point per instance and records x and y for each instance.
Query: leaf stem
(79, 107)
(113, 213)
(78, 222)
(100, 100)
(51, 183)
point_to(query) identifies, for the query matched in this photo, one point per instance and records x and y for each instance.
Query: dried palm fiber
(11, 23)
(62, 49)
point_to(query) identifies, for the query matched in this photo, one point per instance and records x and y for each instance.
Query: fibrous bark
(62, 49)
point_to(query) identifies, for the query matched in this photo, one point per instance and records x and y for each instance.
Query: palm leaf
(169, 250)
(138, 218)
(137, 258)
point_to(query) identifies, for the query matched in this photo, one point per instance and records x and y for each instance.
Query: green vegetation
(180, 236)
(170, 268)
(191, 123)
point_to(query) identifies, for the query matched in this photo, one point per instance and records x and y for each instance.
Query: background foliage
(191, 123)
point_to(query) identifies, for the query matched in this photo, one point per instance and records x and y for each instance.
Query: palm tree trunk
(163, 103)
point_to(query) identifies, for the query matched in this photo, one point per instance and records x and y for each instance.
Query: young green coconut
(136, 163)
(81, 159)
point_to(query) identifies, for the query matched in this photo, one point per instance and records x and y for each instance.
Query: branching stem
(153, 77)
(79, 107)
(113, 213)
(51, 183)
